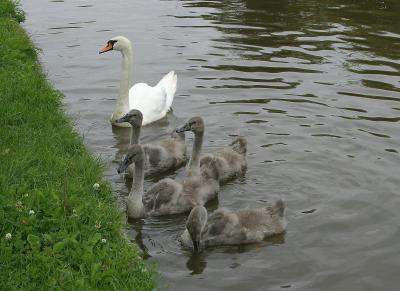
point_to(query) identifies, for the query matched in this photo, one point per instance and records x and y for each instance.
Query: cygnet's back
(165, 155)
(227, 227)
(169, 196)
(231, 160)
(246, 225)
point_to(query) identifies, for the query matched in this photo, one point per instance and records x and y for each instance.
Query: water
(313, 85)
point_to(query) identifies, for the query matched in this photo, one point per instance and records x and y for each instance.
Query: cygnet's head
(195, 225)
(135, 154)
(195, 125)
(118, 43)
(134, 117)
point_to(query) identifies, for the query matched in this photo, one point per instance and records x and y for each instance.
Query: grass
(11, 9)
(57, 232)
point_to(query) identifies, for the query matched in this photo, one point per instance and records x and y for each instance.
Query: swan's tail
(239, 145)
(280, 207)
(169, 83)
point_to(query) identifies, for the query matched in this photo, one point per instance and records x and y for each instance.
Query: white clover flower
(8, 236)
(31, 212)
(103, 240)
(96, 186)
(19, 205)
(26, 195)
(97, 224)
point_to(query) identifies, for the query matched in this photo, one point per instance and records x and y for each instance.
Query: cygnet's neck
(135, 134)
(135, 202)
(193, 168)
(122, 105)
(195, 226)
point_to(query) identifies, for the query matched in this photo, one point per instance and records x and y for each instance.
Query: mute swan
(166, 155)
(153, 102)
(167, 196)
(226, 227)
(230, 161)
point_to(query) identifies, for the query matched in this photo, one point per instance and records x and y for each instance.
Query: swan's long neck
(135, 202)
(123, 100)
(194, 162)
(135, 134)
(137, 184)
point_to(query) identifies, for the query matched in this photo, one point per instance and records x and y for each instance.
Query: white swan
(226, 227)
(167, 196)
(153, 102)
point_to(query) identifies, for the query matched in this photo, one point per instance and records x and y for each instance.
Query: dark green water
(313, 85)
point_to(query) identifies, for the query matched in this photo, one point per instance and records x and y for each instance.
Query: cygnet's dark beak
(123, 165)
(186, 127)
(124, 118)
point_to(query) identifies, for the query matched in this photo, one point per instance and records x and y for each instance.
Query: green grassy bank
(57, 231)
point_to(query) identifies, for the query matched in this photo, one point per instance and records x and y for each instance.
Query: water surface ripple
(313, 85)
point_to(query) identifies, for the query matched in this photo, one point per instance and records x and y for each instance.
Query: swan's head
(195, 225)
(195, 124)
(135, 154)
(118, 43)
(134, 117)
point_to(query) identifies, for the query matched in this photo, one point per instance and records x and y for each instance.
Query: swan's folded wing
(219, 221)
(151, 101)
(154, 155)
(223, 229)
(160, 194)
(169, 83)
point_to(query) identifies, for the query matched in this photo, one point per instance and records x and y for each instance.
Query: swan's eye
(112, 42)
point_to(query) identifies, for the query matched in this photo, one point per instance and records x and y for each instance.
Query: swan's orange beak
(107, 48)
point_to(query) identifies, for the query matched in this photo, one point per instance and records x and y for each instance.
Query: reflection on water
(313, 85)
(138, 237)
(196, 263)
